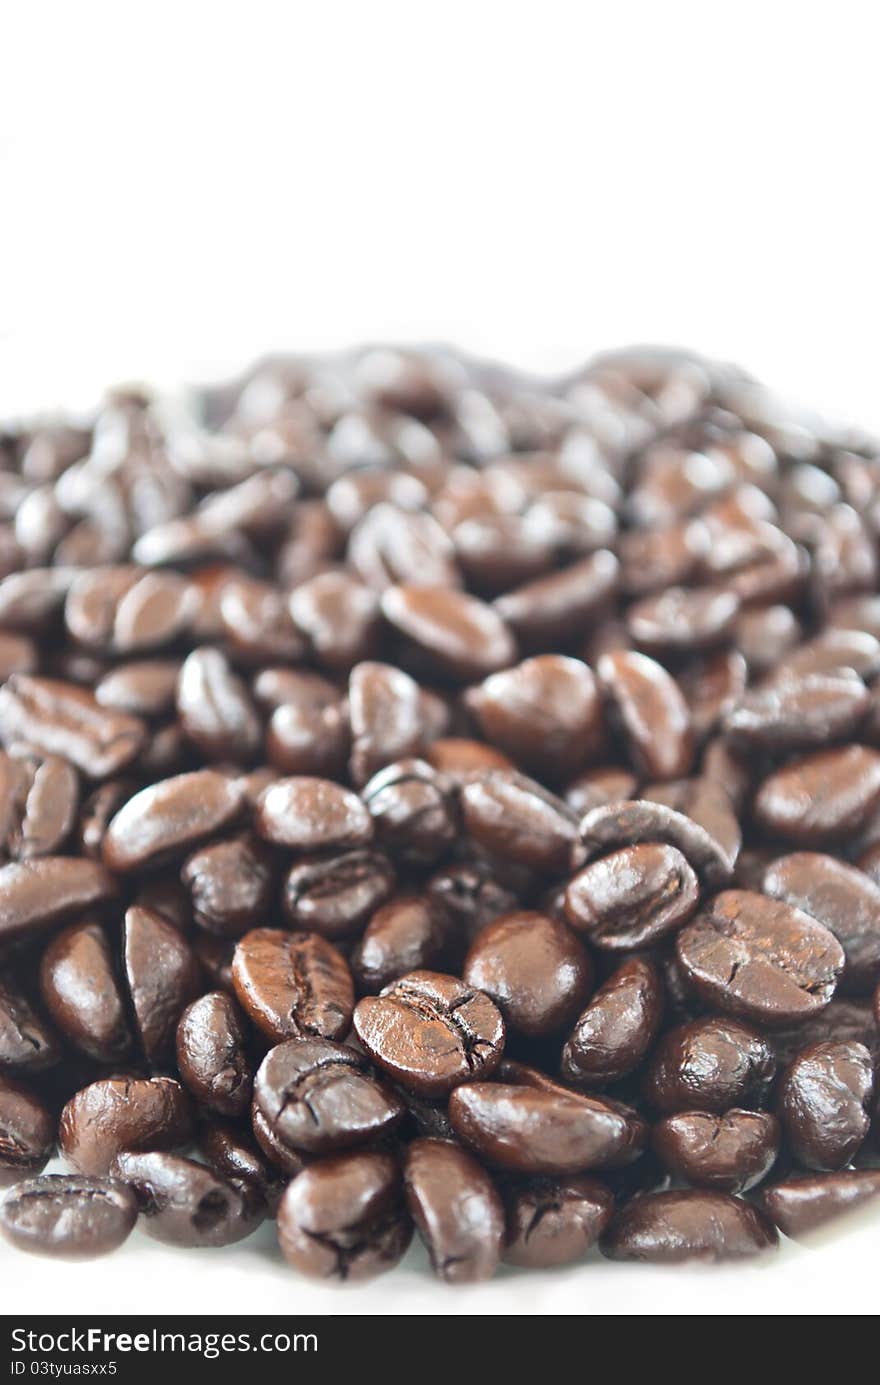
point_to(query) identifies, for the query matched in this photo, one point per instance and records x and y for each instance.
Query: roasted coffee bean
(38, 805)
(83, 994)
(797, 713)
(184, 1203)
(652, 711)
(844, 899)
(123, 610)
(836, 649)
(764, 634)
(544, 1130)
(730, 1153)
(408, 933)
(594, 788)
(554, 1221)
(215, 709)
(632, 823)
(257, 623)
(339, 617)
(801, 1204)
(232, 1153)
(515, 819)
(69, 1216)
(458, 636)
(615, 1032)
(212, 1056)
(545, 714)
(534, 968)
(97, 811)
(458, 757)
(27, 1042)
(471, 896)
(145, 687)
(632, 898)
(709, 1065)
(343, 1218)
(412, 811)
(27, 1132)
(293, 985)
(560, 607)
(336, 895)
(306, 739)
(844, 1019)
(822, 798)
(309, 814)
(123, 1113)
(37, 894)
(705, 802)
(431, 1032)
(231, 884)
(168, 819)
(666, 1228)
(163, 976)
(317, 1097)
(683, 619)
(56, 718)
(387, 718)
(711, 685)
(760, 959)
(824, 1099)
(456, 1210)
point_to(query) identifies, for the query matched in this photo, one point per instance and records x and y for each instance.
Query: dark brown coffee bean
(617, 1029)
(391, 545)
(515, 819)
(760, 959)
(124, 610)
(36, 894)
(212, 1055)
(639, 821)
(836, 649)
(343, 1218)
(459, 758)
(825, 797)
(764, 634)
(652, 711)
(215, 710)
(595, 788)
(184, 1203)
(471, 896)
(682, 619)
(456, 1210)
(412, 810)
(68, 1216)
(459, 636)
(632, 898)
(123, 1113)
(845, 899)
(387, 720)
(666, 1228)
(163, 976)
(824, 1096)
(534, 968)
(339, 617)
(336, 895)
(257, 623)
(97, 811)
(711, 685)
(561, 606)
(27, 1132)
(408, 933)
(57, 718)
(431, 1032)
(27, 1042)
(293, 985)
(803, 1204)
(310, 814)
(317, 1097)
(38, 805)
(231, 884)
(235, 1156)
(168, 819)
(797, 713)
(82, 992)
(730, 1153)
(545, 1131)
(705, 802)
(145, 688)
(305, 739)
(844, 1019)
(554, 1221)
(709, 1065)
(545, 714)
(655, 559)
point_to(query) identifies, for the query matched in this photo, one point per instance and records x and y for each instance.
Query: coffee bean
(27, 1042)
(215, 710)
(683, 619)
(844, 899)
(729, 1153)
(312, 815)
(412, 810)
(163, 976)
(555, 1221)
(534, 968)
(709, 1065)
(704, 801)
(638, 821)
(317, 1097)
(82, 992)
(231, 884)
(470, 896)
(431, 1032)
(336, 895)
(545, 714)
(168, 819)
(212, 1054)
(514, 818)
(68, 1216)
(652, 711)
(824, 1096)
(125, 610)
(822, 798)
(633, 897)
(123, 1113)
(27, 1132)
(459, 636)
(56, 718)
(615, 1032)
(97, 811)
(37, 894)
(456, 1210)
(666, 1228)
(293, 985)
(408, 933)
(561, 606)
(144, 687)
(801, 1204)
(797, 713)
(235, 1156)
(184, 1203)
(257, 624)
(387, 718)
(594, 788)
(343, 1218)
(38, 805)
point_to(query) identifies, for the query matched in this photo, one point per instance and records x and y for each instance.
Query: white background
(183, 186)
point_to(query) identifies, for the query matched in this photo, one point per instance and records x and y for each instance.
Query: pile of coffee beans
(437, 799)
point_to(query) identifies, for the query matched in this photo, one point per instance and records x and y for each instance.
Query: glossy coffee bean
(68, 1216)
(456, 1210)
(555, 1221)
(231, 1151)
(632, 898)
(408, 933)
(844, 899)
(824, 1101)
(97, 812)
(797, 713)
(144, 687)
(38, 805)
(667, 1228)
(215, 709)
(709, 1065)
(28, 1044)
(760, 959)
(704, 801)
(386, 716)
(545, 713)
(168, 819)
(534, 968)
(560, 607)
(431, 1032)
(459, 757)
(293, 985)
(27, 1132)
(471, 896)
(460, 637)
(339, 617)
(316, 1097)
(515, 819)
(212, 1058)
(336, 895)
(56, 718)
(806, 1202)
(231, 884)
(652, 712)
(36, 894)
(594, 788)
(309, 814)
(683, 619)
(184, 1203)
(615, 1032)
(343, 1218)
(822, 798)
(123, 1113)
(729, 1153)
(83, 994)
(634, 822)
(412, 811)
(543, 1130)
(163, 976)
